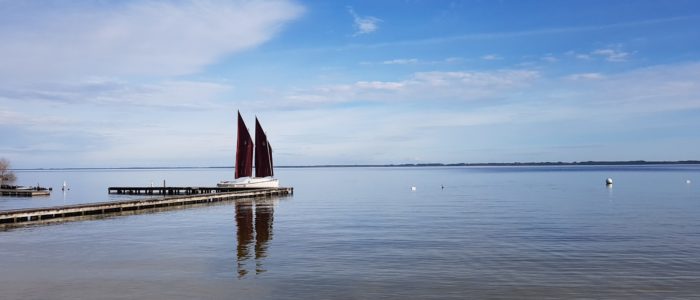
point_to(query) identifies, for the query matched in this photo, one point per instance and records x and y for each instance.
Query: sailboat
(244, 159)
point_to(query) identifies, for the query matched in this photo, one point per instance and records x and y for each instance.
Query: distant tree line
(7, 177)
(515, 164)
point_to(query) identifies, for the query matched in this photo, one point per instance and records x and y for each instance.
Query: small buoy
(413, 188)
(608, 181)
(687, 181)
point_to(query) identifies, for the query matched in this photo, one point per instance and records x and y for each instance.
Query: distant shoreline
(504, 164)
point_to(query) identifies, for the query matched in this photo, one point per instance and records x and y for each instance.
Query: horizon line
(463, 164)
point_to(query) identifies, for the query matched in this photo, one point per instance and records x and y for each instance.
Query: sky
(158, 83)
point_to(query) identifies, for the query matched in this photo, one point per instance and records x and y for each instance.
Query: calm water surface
(361, 233)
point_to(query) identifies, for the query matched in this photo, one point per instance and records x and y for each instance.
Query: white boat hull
(251, 183)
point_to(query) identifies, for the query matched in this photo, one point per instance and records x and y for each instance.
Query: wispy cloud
(115, 92)
(511, 34)
(14, 118)
(582, 56)
(648, 90)
(453, 60)
(87, 77)
(612, 54)
(550, 58)
(401, 61)
(491, 57)
(364, 25)
(416, 61)
(586, 76)
(421, 86)
(527, 102)
(150, 38)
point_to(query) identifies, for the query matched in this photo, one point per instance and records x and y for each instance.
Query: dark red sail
(263, 153)
(244, 150)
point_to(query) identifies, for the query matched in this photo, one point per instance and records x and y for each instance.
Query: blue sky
(158, 83)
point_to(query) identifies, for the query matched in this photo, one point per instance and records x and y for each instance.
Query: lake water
(362, 233)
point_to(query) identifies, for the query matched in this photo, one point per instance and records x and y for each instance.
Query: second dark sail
(263, 153)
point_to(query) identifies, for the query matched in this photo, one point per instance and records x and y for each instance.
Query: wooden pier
(69, 212)
(24, 192)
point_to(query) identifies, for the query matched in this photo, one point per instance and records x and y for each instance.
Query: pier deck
(36, 215)
(24, 192)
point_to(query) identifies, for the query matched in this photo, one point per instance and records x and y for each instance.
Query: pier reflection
(254, 220)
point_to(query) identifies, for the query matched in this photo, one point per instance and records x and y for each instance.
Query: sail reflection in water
(254, 221)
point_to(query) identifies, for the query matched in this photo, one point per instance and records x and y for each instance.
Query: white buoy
(608, 181)
(687, 181)
(413, 188)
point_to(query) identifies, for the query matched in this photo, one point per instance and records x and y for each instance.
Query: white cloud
(421, 86)
(364, 25)
(491, 57)
(586, 76)
(133, 38)
(379, 85)
(400, 61)
(612, 55)
(473, 79)
(416, 61)
(648, 90)
(35, 120)
(421, 110)
(550, 58)
(412, 122)
(103, 91)
(652, 89)
(85, 78)
(453, 60)
(581, 56)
